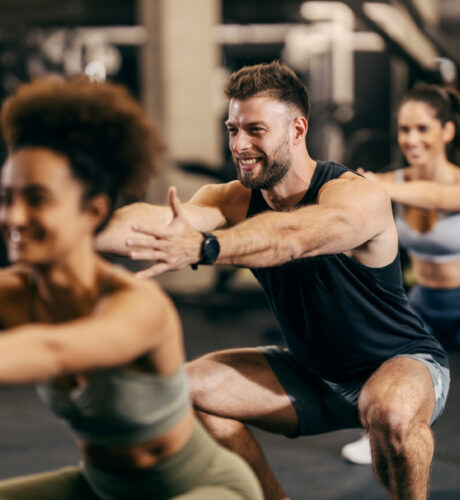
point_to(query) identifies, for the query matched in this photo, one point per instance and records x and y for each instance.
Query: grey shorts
(324, 406)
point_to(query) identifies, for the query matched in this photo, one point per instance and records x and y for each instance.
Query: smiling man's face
(259, 140)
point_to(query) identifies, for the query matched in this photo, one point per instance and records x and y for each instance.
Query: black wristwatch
(210, 249)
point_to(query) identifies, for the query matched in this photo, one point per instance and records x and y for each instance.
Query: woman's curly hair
(112, 145)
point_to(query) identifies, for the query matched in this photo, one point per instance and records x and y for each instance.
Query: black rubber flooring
(309, 468)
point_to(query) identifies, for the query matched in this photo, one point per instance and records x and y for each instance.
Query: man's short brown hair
(273, 80)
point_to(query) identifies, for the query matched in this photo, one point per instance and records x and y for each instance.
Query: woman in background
(104, 347)
(427, 198)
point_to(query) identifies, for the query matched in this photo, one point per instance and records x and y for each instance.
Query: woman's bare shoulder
(118, 279)
(13, 279)
(14, 295)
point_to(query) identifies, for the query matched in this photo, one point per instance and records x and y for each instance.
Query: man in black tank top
(321, 241)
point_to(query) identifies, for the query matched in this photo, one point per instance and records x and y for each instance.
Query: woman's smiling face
(42, 213)
(421, 135)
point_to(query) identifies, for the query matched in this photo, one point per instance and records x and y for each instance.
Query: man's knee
(200, 376)
(208, 378)
(387, 417)
(392, 424)
(223, 429)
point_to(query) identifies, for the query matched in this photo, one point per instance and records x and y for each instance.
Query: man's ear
(97, 207)
(300, 129)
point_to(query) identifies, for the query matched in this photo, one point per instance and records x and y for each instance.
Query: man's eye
(231, 131)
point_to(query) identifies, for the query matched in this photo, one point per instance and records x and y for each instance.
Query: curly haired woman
(105, 348)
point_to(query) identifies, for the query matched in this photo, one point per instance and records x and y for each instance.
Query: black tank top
(339, 318)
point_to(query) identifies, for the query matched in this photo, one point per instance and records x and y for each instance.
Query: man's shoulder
(334, 165)
(329, 173)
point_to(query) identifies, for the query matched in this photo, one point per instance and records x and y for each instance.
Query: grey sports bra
(118, 407)
(440, 244)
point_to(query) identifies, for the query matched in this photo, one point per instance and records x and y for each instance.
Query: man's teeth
(249, 161)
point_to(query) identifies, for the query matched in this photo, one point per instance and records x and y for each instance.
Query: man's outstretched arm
(350, 213)
(212, 206)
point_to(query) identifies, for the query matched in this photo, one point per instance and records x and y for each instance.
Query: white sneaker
(358, 452)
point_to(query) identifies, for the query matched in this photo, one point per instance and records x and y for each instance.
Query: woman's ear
(449, 132)
(98, 208)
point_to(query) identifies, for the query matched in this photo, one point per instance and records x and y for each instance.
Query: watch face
(210, 249)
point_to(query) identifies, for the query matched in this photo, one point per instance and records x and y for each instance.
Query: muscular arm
(213, 206)
(126, 325)
(349, 213)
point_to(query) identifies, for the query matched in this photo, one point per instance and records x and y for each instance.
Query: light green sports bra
(118, 407)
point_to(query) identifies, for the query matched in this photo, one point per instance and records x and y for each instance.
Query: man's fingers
(148, 254)
(155, 270)
(141, 243)
(149, 243)
(175, 203)
(157, 232)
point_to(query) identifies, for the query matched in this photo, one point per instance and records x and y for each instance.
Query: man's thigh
(239, 384)
(321, 406)
(266, 388)
(407, 386)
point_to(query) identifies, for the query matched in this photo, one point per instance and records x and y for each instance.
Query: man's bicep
(222, 205)
(204, 218)
(363, 203)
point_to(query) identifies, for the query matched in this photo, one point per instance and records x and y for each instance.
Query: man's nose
(240, 142)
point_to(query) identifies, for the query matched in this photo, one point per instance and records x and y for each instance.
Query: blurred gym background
(357, 57)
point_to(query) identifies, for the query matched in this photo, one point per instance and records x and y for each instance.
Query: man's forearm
(274, 238)
(119, 230)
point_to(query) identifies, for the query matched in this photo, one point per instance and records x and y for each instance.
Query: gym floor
(309, 468)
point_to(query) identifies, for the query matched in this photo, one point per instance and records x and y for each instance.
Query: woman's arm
(419, 193)
(425, 194)
(126, 325)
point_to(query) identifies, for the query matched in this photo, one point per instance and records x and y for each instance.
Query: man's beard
(272, 170)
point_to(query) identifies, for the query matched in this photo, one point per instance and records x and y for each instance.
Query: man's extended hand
(171, 247)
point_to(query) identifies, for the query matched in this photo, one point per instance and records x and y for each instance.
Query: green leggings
(203, 470)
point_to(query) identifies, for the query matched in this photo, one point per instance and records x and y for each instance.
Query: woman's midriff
(440, 275)
(142, 455)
